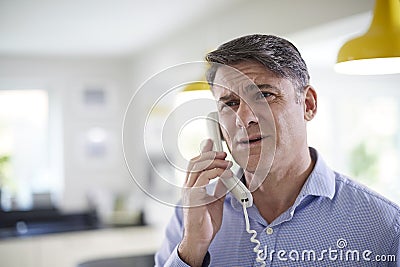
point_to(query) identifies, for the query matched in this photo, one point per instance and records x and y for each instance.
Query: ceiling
(93, 27)
(125, 27)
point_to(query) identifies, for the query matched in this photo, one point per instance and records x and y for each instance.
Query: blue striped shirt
(333, 222)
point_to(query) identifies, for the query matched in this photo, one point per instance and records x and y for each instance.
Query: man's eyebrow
(227, 97)
(248, 88)
(260, 87)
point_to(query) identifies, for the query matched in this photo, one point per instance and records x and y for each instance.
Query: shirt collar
(321, 182)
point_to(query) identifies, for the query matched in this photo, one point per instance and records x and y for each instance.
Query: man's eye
(231, 103)
(262, 95)
(228, 104)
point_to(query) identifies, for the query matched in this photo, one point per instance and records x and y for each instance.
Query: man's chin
(257, 173)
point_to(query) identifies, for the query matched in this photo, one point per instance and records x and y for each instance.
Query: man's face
(260, 117)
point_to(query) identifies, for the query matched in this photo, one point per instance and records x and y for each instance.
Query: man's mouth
(251, 140)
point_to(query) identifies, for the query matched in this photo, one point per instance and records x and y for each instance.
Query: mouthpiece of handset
(238, 190)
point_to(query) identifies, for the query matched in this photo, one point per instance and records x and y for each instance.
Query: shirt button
(269, 231)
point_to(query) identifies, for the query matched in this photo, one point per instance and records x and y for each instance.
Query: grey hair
(277, 54)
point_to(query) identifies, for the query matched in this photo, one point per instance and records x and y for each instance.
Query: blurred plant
(4, 162)
(364, 163)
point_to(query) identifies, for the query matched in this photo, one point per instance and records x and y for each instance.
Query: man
(304, 213)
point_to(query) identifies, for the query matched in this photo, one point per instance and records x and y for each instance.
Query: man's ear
(310, 103)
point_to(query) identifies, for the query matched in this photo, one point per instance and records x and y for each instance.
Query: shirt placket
(268, 236)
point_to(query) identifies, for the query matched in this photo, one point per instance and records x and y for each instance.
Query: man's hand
(202, 213)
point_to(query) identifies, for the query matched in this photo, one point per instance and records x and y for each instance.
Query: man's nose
(245, 115)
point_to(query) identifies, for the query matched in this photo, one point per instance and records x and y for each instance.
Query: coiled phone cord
(253, 239)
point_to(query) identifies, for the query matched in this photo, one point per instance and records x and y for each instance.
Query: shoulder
(362, 199)
(352, 187)
(348, 193)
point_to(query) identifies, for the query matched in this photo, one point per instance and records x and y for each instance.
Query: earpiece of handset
(233, 184)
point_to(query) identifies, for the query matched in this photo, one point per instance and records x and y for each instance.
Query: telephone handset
(233, 184)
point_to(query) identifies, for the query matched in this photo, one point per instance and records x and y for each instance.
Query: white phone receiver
(233, 184)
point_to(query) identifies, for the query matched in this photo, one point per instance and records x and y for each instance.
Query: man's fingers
(196, 195)
(210, 164)
(206, 176)
(201, 167)
(209, 155)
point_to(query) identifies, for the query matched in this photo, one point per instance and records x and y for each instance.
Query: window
(360, 136)
(372, 147)
(25, 177)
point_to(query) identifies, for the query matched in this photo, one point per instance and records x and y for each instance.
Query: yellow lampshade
(378, 50)
(194, 90)
(196, 86)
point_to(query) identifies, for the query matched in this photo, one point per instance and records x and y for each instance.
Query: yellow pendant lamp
(378, 50)
(194, 90)
(197, 86)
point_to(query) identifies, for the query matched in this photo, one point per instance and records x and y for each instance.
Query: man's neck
(280, 188)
